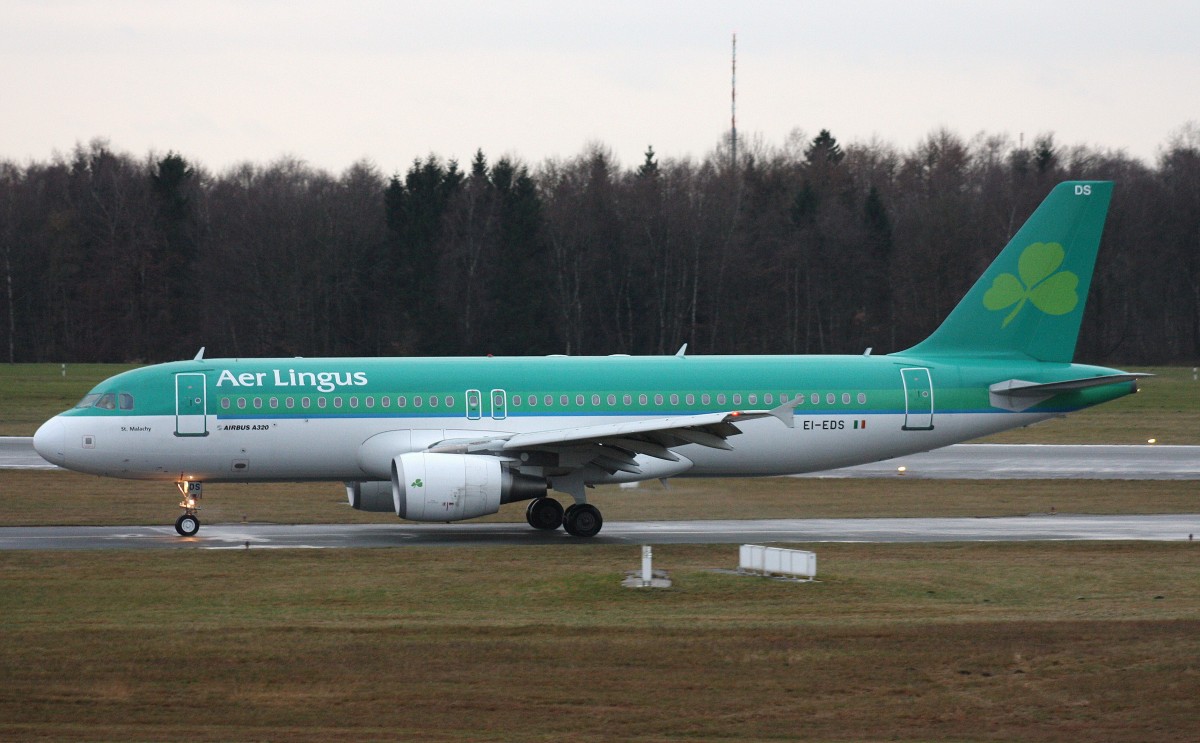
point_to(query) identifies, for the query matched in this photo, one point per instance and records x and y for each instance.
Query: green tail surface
(1029, 303)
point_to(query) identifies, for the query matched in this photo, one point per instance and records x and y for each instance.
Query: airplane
(448, 439)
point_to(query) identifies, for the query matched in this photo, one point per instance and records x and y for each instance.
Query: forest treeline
(809, 247)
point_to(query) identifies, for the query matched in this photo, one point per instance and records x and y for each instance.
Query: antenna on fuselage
(682, 352)
(199, 354)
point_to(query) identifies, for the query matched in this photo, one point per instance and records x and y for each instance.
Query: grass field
(981, 642)
(961, 642)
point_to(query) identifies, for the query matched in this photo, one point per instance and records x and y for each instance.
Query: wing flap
(719, 425)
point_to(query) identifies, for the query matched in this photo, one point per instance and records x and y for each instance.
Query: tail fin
(1029, 303)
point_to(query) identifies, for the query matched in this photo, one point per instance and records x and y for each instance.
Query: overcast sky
(335, 82)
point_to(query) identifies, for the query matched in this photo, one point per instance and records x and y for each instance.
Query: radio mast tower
(733, 105)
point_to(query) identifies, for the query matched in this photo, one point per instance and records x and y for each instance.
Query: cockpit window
(125, 401)
(88, 400)
(107, 401)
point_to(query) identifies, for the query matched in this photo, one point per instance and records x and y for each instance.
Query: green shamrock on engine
(1052, 293)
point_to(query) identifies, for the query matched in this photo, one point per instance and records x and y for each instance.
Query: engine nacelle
(453, 487)
(371, 496)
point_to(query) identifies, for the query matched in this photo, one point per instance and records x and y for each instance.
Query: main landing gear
(579, 520)
(189, 523)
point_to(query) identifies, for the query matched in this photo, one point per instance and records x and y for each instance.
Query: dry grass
(31, 393)
(1031, 642)
(62, 498)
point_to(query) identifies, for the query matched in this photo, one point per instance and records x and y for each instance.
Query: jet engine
(453, 487)
(371, 496)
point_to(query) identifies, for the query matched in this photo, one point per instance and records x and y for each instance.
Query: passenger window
(564, 400)
(516, 401)
(433, 401)
(691, 399)
(769, 399)
(737, 398)
(674, 399)
(642, 399)
(418, 401)
(258, 403)
(862, 398)
(845, 398)
(830, 398)
(385, 402)
(814, 398)
(753, 398)
(290, 403)
(321, 402)
(595, 401)
(579, 400)
(337, 401)
(273, 402)
(449, 401)
(370, 401)
(549, 401)
(107, 401)
(658, 399)
(705, 399)
(125, 400)
(305, 402)
(401, 401)
(241, 403)
(612, 400)
(225, 403)
(721, 399)
(354, 402)
(800, 399)
(627, 399)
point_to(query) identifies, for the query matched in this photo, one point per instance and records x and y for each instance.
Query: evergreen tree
(824, 149)
(415, 211)
(172, 183)
(1045, 155)
(648, 168)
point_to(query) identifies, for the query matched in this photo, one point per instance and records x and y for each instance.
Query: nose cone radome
(50, 441)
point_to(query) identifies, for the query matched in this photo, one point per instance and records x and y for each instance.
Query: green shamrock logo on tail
(417, 483)
(1052, 293)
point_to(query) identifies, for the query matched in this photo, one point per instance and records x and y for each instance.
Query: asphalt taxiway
(1063, 527)
(963, 461)
(1037, 462)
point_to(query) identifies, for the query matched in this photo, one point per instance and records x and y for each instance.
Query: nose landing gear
(189, 523)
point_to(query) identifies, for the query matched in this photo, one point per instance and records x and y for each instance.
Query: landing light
(1152, 441)
(901, 470)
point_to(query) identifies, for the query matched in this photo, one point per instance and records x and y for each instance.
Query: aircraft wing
(614, 447)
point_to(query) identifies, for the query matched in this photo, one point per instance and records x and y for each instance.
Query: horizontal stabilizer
(1018, 395)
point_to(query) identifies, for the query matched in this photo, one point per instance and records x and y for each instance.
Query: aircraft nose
(50, 441)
